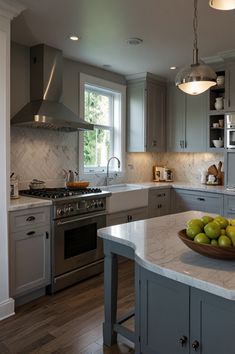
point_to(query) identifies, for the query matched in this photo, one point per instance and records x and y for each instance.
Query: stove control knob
(60, 212)
(71, 209)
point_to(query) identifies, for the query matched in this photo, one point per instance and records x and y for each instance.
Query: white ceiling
(104, 25)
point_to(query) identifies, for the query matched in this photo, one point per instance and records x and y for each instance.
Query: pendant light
(196, 78)
(222, 4)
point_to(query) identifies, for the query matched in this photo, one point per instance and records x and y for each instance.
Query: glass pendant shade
(195, 79)
(222, 4)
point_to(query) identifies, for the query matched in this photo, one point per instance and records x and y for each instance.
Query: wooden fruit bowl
(227, 253)
(78, 184)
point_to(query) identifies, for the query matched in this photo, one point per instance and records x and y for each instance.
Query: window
(102, 104)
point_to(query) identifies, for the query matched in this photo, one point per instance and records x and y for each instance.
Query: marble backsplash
(186, 167)
(42, 154)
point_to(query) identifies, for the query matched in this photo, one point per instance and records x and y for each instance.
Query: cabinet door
(164, 313)
(212, 323)
(230, 169)
(136, 113)
(146, 115)
(230, 87)
(159, 202)
(30, 260)
(175, 119)
(196, 123)
(156, 97)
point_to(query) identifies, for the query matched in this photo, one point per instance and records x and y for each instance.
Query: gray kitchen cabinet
(177, 318)
(184, 200)
(229, 206)
(30, 245)
(186, 121)
(127, 216)
(164, 313)
(159, 202)
(146, 114)
(229, 103)
(229, 168)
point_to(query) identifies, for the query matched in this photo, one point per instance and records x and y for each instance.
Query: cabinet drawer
(127, 216)
(26, 219)
(229, 206)
(159, 202)
(202, 201)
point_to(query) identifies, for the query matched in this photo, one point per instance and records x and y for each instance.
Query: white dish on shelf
(218, 143)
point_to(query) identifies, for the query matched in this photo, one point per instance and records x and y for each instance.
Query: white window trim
(121, 89)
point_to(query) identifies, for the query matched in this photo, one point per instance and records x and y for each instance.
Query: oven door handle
(91, 216)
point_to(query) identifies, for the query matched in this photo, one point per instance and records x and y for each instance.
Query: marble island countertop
(158, 249)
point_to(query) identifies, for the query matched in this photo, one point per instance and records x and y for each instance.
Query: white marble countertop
(27, 203)
(158, 249)
(189, 186)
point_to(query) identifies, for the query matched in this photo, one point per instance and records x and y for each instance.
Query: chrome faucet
(107, 175)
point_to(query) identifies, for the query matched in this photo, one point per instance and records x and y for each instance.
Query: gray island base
(184, 302)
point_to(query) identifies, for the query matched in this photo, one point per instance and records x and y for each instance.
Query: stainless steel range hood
(45, 109)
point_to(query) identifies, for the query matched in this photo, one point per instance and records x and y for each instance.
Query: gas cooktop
(56, 193)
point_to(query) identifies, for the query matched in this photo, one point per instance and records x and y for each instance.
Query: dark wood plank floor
(69, 322)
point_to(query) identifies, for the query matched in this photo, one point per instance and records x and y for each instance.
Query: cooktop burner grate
(55, 193)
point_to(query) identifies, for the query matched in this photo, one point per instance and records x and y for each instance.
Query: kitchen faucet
(107, 175)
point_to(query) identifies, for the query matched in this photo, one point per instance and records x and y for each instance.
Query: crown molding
(10, 8)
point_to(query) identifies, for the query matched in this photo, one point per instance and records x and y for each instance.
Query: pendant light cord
(195, 26)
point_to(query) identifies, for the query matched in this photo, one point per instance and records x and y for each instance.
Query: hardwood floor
(69, 322)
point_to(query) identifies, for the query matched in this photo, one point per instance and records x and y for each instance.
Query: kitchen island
(184, 302)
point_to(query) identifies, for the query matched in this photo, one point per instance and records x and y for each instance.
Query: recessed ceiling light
(74, 38)
(134, 41)
(172, 67)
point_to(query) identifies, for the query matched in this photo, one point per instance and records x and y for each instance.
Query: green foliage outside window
(97, 142)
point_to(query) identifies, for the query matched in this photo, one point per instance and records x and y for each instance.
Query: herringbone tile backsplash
(42, 154)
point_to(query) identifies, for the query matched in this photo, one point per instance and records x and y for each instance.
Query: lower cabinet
(127, 216)
(30, 247)
(184, 200)
(229, 206)
(176, 318)
(159, 202)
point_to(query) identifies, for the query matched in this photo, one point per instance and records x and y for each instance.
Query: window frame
(119, 123)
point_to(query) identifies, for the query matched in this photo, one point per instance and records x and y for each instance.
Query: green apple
(222, 221)
(194, 222)
(230, 232)
(232, 222)
(201, 238)
(212, 230)
(193, 230)
(214, 242)
(224, 241)
(206, 219)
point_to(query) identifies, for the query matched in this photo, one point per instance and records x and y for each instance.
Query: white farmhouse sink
(125, 197)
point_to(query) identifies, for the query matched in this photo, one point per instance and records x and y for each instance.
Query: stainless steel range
(77, 252)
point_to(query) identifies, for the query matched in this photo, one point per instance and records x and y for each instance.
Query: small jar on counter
(14, 187)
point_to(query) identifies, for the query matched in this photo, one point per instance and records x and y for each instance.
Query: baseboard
(7, 309)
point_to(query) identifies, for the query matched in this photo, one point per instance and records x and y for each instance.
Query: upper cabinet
(186, 121)
(229, 102)
(146, 114)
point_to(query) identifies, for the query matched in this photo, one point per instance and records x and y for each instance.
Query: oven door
(231, 138)
(75, 242)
